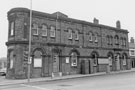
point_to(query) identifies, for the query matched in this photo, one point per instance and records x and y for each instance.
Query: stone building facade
(63, 45)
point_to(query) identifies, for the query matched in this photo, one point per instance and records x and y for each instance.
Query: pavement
(4, 81)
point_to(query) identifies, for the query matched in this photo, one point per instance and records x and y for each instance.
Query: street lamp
(29, 55)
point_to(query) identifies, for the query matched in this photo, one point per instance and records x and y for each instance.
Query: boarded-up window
(37, 59)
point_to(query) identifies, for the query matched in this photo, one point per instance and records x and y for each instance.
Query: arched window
(12, 29)
(90, 36)
(44, 30)
(37, 58)
(108, 39)
(121, 41)
(110, 58)
(111, 40)
(70, 34)
(73, 59)
(124, 42)
(95, 58)
(96, 37)
(11, 59)
(116, 40)
(124, 58)
(76, 35)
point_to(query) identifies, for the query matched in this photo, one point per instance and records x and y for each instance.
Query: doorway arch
(94, 57)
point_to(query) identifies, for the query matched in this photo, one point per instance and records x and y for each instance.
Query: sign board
(103, 61)
(37, 62)
(67, 59)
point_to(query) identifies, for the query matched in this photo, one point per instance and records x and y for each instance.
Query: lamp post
(29, 55)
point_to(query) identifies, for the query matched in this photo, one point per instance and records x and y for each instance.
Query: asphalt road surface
(123, 81)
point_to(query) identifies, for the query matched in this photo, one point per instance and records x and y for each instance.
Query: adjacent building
(63, 45)
(3, 63)
(132, 52)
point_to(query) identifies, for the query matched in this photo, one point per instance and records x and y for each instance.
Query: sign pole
(29, 55)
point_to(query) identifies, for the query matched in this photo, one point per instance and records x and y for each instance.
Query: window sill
(44, 35)
(35, 34)
(90, 41)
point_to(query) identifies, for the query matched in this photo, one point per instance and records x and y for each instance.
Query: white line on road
(40, 88)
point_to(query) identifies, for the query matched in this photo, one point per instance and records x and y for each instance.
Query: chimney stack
(96, 21)
(118, 24)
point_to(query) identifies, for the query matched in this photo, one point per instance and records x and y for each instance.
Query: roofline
(42, 14)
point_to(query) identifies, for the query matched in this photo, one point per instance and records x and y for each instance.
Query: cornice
(63, 45)
(47, 15)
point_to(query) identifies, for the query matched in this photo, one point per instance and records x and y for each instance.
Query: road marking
(40, 88)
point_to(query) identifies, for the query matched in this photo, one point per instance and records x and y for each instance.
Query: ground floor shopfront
(51, 60)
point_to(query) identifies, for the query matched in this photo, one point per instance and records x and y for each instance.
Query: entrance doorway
(56, 64)
(117, 62)
(37, 64)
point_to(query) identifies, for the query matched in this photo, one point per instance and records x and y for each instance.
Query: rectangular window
(11, 63)
(52, 31)
(70, 34)
(132, 52)
(76, 35)
(12, 29)
(44, 30)
(96, 38)
(35, 29)
(124, 43)
(90, 36)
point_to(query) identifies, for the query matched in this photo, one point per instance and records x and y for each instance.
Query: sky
(107, 11)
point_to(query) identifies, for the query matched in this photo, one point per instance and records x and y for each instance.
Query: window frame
(52, 31)
(116, 40)
(124, 59)
(44, 30)
(124, 42)
(70, 34)
(90, 36)
(96, 37)
(74, 58)
(12, 28)
(35, 28)
(131, 52)
(76, 35)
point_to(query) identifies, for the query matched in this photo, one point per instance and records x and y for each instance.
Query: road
(122, 81)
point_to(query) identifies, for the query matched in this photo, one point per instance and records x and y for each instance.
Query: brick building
(62, 44)
(132, 52)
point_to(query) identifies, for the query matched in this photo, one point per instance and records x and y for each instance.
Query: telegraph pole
(29, 55)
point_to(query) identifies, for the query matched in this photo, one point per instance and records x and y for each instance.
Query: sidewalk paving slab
(5, 81)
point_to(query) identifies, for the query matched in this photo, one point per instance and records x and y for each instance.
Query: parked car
(3, 72)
